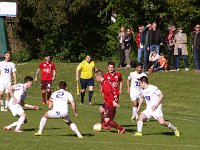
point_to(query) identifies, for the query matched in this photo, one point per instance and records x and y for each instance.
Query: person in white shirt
(19, 93)
(6, 69)
(133, 88)
(58, 105)
(153, 97)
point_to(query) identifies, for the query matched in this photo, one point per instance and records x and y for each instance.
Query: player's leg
(162, 121)
(42, 124)
(43, 88)
(7, 100)
(22, 120)
(48, 89)
(83, 83)
(134, 111)
(72, 126)
(91, 87)
(1, 100)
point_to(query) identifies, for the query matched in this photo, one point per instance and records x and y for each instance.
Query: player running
(153, 97)
(6, 69)
(108, 109)
(19, 93)
(133, 88)
(58, 106)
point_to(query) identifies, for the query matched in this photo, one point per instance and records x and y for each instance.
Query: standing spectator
(48, 74)
(121, 37)
(196, 47)
(170, 47)
(128, 45)
(155, 38)
(87, 68)
(7, 68)
(140, 44)
(180, 40)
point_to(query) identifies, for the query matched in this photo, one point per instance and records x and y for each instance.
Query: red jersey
(108, 92)
(47, 70)
(114, 79)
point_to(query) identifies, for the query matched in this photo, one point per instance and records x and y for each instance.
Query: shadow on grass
(30, 129)
(84, 135)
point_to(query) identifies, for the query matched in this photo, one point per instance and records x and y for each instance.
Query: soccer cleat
(187, 69)
(17, 131)
(122, 131)
(132, 119)
(44, 103)
(7, 128)
(38, 133)
(80, 136)
(90, 103)
(176, 132)
(138, 134)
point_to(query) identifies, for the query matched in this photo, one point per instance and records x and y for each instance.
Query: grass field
(180, 106)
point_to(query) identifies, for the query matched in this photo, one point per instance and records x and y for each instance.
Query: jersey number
(147, 98)
(6, 70)
(57, 112)
(59, 95)
(137, 83)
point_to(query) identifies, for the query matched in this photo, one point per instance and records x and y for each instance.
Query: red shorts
(46, 84)
(109, 111)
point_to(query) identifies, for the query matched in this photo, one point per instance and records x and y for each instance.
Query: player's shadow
(30, 129)
(128, 125)
(52, 128)
(97, 104)
(168, 133)
(84, 135)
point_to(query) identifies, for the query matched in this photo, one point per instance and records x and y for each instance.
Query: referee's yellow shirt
(87, 69)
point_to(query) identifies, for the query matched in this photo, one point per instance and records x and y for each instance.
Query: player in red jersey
(115, 78)
(108, 109)
(48, 74)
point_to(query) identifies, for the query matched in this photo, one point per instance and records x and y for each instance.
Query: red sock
(113, 124)
(48, 95)
(44, 97)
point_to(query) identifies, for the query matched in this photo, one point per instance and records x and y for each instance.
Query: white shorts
(16, 109)
(58, 114)
(135, 95)
(150, 113)
(4, 85)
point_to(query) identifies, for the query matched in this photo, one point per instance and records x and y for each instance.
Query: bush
(22, 55)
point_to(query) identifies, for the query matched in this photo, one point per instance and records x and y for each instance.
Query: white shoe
(187, 69)
(7, 128)
(17, 131)
(178, 69)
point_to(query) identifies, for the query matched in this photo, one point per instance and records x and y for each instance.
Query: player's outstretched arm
(36, 75)
(31, 106)
(158, 102)
(11, 91)
(74, 108)
(128, 85)
(140, 103)
(15, 77)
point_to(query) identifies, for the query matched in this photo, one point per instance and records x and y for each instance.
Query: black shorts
(46, 84)
(86, 82)
(109, 111)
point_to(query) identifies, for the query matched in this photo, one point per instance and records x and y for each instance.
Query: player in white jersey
(19, 93)
(6, 69)
(58, 105)
(133, 87)
(153, 97)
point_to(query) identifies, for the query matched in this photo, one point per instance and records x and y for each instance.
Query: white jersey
(19, 93)
(151, 95)
(6, 68)
(134, 77)
(60, 99)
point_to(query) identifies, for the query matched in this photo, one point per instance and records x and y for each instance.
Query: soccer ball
(97, 127)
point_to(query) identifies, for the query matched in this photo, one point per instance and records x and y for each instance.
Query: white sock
(13, 124)
(134, 112)
(139, 126)
(171, 126)
(20, 122)
(42, 123)
(6, 104)
(75, 129)
(2, 104)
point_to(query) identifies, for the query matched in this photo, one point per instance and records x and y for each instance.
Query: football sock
(75, 129)
(44, 97)
(82, 96)
(48, 95)
(90, 96)
(102, 118)
(2, 104)
(134, 112)
(20, 122)
(13, 124)
(171, 126)
(113, 124)
(139, 126)
(42, 123)
(6, 103)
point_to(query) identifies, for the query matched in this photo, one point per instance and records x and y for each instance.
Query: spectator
(153, 57)
(128, 45)
(155, 38)
(121, 37)
(180, 40)
(170, 47)
(196, 47)
(140, 44)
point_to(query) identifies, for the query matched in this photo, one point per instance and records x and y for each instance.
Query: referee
(84, 75)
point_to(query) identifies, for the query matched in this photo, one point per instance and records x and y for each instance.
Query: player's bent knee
(82, 90)
(106, 120)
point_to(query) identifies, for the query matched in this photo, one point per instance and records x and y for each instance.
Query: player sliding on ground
(108, 109)
(58, 105)
(153, 97)
(19, 93)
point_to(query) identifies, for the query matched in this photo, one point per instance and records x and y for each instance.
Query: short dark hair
(144, 79)
(62, 85)
(47, 54)
(139, 64)
(27, 78)
(99, 73)
(111, 63)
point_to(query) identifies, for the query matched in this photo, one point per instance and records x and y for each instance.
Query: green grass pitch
(180, 106)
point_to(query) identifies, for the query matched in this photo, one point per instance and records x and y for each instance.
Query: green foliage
(22, 55)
